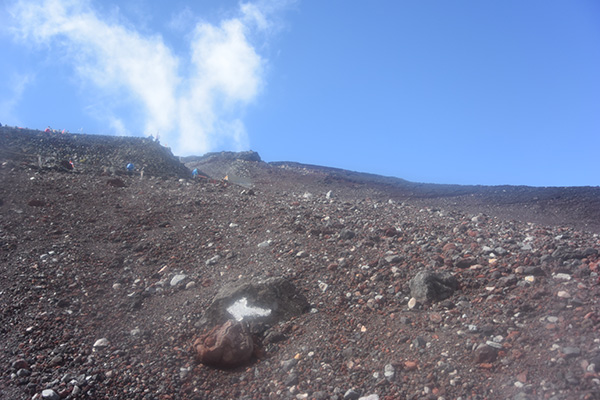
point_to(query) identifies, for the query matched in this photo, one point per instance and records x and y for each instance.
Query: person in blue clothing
(195, 173)
(130, 167)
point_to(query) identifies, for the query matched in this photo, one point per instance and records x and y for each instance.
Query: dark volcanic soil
(90, 253)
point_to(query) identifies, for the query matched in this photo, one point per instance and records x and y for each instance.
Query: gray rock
(289, 364)
(351, 395)
(101, 343)
(177, 279)
(369, 397)
(485, 354)
(570, 352)
(507, 281)
(49, 394)
(533, 270)
(419, 342)
(291, 379)
(320, 395)
(500, 251)
(275, 294)
(393, 259)
(432, 286)
(346, 234)
(213, 260)
(389, 371)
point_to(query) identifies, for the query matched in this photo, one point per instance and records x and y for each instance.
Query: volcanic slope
(89, 310)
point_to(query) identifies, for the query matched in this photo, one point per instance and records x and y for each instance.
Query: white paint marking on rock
(240, 310)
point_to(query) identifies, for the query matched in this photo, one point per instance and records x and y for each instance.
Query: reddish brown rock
(225, 346)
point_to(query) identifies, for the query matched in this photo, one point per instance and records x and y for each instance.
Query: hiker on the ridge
(195, 173)
(130, 167)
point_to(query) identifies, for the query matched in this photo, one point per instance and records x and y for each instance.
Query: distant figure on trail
(48, 130)
(195, 173)
(130, 167)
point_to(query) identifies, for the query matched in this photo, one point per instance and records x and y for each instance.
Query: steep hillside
(89, 153)
(107, 280)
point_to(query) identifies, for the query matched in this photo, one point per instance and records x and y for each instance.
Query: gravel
(89, 309)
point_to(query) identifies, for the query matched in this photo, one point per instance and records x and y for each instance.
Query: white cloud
(194, 111)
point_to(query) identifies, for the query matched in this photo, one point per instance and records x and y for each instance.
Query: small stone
(552, 320)
(389, 371)
(410, 365)
(20, 363)
(533, 270)
(135, 332)
(562, 277)
(394, 259)
(101, 343)
(301, 254)
(494, 344)
(435, 317)
(563, 294)
(570, 352)
(291, 379)
(49, 394)
(369, 397)
(486, 354)
(76, 390)
(117, 286)
(419, 342)
(289, 364)
(264, 244)
(190, 285)
(177, 279)
(351, 395)
(346, 234)
(213, 260)
(56, 360)
(323, 286)
(412, 303)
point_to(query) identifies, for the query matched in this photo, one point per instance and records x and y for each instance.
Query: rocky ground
(106, 277)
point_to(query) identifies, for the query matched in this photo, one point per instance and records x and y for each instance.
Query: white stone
(562, 277)
(412, 303)
(213, 260)
(323, 286)
(50, 394)
(101, 342)
(177, 279)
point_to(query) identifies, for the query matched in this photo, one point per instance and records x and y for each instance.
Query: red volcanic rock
(225, 346)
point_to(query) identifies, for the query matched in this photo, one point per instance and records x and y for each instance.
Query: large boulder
(432, 286)
(225, 346)
(266, 301)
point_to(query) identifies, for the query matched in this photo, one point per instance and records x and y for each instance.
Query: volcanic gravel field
(105, 276)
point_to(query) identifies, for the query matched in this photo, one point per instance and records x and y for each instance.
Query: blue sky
(465, 92)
